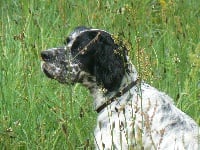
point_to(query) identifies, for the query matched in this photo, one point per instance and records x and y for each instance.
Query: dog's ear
(110, 62)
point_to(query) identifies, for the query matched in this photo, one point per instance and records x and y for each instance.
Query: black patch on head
(101, 57)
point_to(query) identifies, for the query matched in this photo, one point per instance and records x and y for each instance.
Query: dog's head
(90, 55)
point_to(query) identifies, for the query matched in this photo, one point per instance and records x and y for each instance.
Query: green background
(163, 37)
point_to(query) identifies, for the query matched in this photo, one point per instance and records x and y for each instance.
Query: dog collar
(118, 94)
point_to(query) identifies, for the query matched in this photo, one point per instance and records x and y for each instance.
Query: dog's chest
(119, 125)
(116, 128)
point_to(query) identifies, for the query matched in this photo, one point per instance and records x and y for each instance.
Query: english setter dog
(131, 113)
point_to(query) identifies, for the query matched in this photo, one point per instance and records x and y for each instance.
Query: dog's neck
(101, 96)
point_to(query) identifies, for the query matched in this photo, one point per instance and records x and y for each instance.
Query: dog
(131, 113)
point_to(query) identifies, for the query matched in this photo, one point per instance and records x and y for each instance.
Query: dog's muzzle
(54, 63)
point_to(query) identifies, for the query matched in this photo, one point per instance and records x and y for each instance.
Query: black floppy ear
(110, 65)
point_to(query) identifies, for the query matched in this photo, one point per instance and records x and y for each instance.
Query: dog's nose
(45, 55)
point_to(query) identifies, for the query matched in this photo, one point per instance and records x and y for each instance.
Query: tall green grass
(38, 113)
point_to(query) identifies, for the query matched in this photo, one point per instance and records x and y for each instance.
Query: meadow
(163, 38)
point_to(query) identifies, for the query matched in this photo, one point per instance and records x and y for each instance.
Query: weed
(36, 113)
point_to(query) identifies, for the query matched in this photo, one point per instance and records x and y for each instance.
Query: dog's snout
(46, 55)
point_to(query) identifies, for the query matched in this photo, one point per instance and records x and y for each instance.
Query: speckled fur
(145, 118)
(142, 118)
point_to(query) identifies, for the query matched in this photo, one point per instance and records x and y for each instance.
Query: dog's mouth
(56, 73)
(58, 68)
(53, 72)
(47, 73)
(48, 69)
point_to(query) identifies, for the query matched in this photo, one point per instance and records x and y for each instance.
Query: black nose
(46, 55)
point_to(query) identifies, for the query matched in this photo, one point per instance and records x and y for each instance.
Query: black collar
(118, 94)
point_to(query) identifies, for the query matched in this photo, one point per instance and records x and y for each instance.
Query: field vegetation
(163, 37)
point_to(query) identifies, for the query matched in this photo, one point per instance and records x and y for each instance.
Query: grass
(38, 113)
